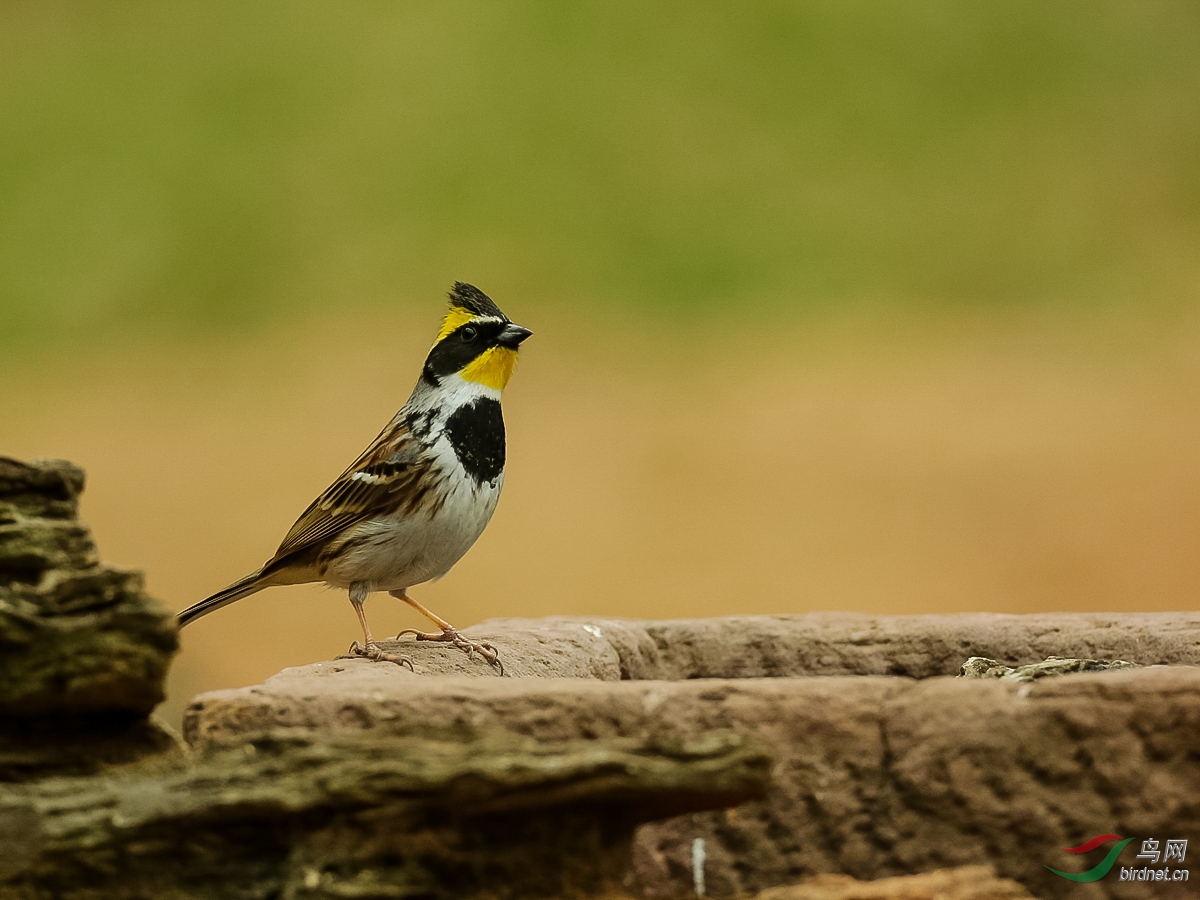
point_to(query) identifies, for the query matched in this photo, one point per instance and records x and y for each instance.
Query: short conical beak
(512, 335)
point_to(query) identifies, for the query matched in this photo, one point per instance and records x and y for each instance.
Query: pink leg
(369, 649)
(448, 633)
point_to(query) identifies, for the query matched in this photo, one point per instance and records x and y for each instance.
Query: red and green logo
(1100, 869)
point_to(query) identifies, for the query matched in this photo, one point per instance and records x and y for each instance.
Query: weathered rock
(812, 644)
(979, 667)
(360, 814)
(306, 814)
(353, 779)
(875, 776)
(964, 883)
(83, 650)
(35, 748)
(47, 489)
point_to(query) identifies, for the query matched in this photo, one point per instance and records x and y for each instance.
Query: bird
(422, 492)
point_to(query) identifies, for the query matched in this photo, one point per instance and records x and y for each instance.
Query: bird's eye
(468, 334)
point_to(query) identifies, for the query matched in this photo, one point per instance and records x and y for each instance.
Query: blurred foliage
(201, 165)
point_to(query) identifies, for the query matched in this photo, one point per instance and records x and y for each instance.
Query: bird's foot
(374, 652)
(454, 638)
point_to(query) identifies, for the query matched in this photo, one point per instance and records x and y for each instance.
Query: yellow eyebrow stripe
(454, 319)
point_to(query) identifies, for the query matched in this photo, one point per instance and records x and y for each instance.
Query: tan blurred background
(891, 307)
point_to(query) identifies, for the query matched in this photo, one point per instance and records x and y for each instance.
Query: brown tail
(251, 584)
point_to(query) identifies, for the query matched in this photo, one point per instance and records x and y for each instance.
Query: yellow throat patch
(492, 368)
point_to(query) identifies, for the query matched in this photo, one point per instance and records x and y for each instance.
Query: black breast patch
(476, 432)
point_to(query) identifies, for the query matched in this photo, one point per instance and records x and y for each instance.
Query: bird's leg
(447, 633)
(370, 649)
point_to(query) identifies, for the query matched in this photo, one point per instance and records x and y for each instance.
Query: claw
(374, 652)
(453, 637)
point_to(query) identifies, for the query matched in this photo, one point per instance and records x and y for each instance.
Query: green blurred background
(216, 165)
(861, 305)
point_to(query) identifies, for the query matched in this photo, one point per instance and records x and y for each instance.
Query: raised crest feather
(468, 297)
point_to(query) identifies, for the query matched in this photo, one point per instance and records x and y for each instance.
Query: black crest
(471, 298)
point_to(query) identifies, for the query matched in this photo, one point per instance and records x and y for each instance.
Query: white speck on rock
(698, 856)
(593, 630)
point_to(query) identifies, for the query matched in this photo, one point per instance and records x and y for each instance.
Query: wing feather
(377, 483)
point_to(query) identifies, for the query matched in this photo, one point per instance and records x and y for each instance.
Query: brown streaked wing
(378, 490)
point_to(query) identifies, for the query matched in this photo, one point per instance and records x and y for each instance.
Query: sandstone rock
(964, 883)
(83, 650)
(979, 667)
(361, 814)
(874, 776)
(812, 644)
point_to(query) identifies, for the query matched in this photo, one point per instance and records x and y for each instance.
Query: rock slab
(874, 776)
(317, 815)
(810, 644)
(964, 883)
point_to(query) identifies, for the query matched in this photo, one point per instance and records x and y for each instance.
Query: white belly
(392, 554)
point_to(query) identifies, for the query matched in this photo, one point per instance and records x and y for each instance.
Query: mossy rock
(76, 636)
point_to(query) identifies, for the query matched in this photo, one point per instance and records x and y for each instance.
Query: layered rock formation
(99, 803)
(83, 649)
(313, 815)
(616, 759)
(875, 776)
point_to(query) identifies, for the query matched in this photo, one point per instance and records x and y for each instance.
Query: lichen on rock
(982, 667)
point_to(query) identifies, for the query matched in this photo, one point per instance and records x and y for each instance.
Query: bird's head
(477, 341)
